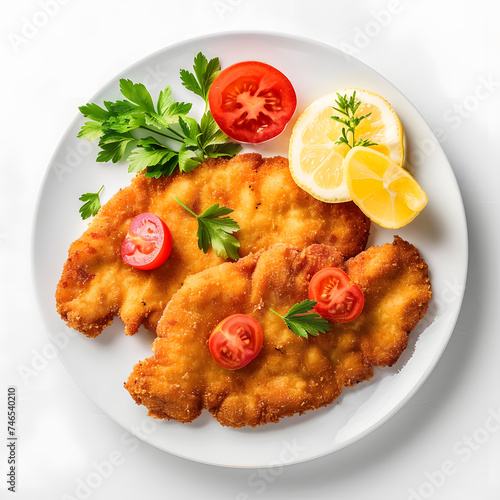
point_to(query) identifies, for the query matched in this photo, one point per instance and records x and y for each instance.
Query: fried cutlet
(291, 374)
(96, 284)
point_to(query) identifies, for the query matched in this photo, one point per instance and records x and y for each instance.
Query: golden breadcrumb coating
(270, 208)
(291, 374)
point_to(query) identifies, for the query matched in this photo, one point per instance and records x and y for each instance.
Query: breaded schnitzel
(291, 374)
(96, 284)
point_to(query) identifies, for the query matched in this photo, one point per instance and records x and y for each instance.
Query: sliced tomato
(148, 242)
(235, 341)
(338, 298)
(252, 101)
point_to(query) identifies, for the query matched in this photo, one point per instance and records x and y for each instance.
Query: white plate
(100, 366)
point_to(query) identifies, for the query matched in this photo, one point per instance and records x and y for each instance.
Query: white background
(444, 56)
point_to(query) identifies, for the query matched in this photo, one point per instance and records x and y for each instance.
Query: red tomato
(148, 242)
(235, 341)
(338, 298)
(252, 101)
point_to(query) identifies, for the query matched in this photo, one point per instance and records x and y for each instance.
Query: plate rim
(461, 218)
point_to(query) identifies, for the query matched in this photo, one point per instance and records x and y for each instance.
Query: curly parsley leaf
(92, 204)
(303, 324)
(215, 230)
(347, 107)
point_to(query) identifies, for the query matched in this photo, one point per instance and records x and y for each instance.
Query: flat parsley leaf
(177, 140)
(94, 112)
(138, 94)
(303, 324)
(92, 204)
(91, 131)
(148, 153)
(205, 73)
(113, 145)
(215, 142)
(215, 230)
(169, 109)
(189, 159)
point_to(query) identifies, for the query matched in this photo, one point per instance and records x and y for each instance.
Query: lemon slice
(384, 191)
(316, 162)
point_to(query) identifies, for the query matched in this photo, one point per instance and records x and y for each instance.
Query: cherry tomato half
(252, 101)
(148, 242)
(235, 341)
(338, 298)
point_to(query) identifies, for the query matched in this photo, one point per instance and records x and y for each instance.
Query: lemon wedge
(384, 191)
(317, 163)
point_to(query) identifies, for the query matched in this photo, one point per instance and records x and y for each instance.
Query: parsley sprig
(347, 107)
(215, 230)
(205, 73)
(92, 204)
(124, 127)
(303, 324)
